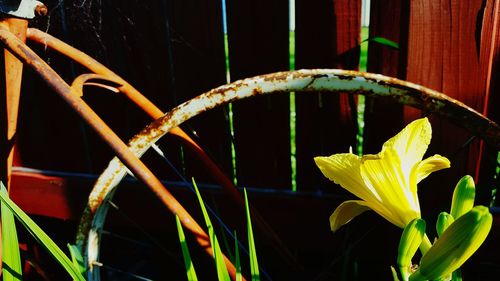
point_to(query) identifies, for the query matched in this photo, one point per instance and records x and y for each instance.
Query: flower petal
(429, 165)
(411, 143)
(345, 212)
(389, 180)
(344, 169)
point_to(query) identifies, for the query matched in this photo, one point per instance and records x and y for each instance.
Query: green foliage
(41, 237)
(77, 258)
(239, 277)
(190, 271)
(254, 265)
(385, 42)
(12, 267)
(222, 272)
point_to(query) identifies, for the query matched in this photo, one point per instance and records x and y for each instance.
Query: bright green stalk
(190, 271)
(293, 122)
(363, 65)
(254, 265)
(41, 237)
(76, 258)
(221, 268)
(12, 267)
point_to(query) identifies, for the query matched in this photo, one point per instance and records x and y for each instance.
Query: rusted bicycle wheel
(320, 80)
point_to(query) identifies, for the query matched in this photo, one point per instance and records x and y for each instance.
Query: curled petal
(345, 212)
(431, 164)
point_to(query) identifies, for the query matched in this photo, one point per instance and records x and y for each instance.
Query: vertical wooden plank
(199, 65)
(443, 54)
(258, 44)
(327, 36)
(388, 19)
(490, 60)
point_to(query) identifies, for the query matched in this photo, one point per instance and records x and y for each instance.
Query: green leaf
(76, 258)
(239, 277)
(12, 267)
(222, 272)
(385, 42)
(190, 271)
(254, 265)
(41, 237)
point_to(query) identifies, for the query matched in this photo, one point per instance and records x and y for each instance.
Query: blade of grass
(385, 42)
(76, 258)
(222, 272)
(41, 237)
(190, 271)
(239, 277)
(254, 265)
(12, 267)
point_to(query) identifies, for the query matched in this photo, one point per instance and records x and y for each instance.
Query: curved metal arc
(85, 80)
(322, 80)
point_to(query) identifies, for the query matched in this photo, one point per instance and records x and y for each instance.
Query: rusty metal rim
(319, 80)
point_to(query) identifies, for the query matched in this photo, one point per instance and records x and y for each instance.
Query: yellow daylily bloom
(385, 182)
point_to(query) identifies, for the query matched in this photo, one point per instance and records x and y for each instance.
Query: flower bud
(458, 242)
(408, 245)
(463, 197)
(444, 220)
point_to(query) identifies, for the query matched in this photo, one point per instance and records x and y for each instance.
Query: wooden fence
(174, 50)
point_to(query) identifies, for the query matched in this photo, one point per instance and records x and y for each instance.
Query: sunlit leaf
(76, 258)
(190, 271)
(12, 267)
(254, 265)
(222, 272)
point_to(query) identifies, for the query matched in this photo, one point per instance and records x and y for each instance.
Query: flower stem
(425, 245)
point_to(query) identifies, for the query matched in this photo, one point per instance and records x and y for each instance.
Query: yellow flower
(386, 182)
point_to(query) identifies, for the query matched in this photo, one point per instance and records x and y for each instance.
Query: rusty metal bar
(102, 72)
(13, 75)
(28, 57)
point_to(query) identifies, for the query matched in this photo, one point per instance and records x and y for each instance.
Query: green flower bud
(444, 220)
(408, 245)
(458, 242)
(463, 197)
